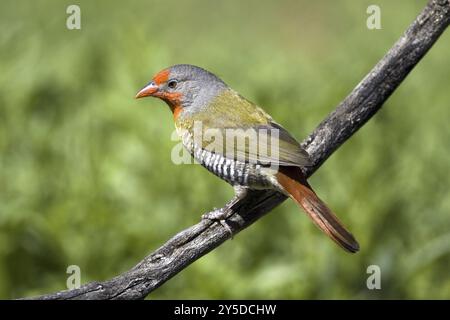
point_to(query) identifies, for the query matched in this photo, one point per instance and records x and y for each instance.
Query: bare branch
(356, 109)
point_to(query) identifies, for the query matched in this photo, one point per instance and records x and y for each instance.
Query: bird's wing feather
(264, 144)
(240, 130)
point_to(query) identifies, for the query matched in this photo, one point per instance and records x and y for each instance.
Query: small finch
(197, 96)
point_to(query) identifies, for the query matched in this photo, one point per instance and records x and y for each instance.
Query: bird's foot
(220, 216)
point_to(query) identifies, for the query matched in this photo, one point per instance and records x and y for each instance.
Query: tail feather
(293, 182)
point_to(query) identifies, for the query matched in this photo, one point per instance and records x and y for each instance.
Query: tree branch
(356, 109)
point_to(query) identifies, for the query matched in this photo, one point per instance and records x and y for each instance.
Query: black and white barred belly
(233, 171)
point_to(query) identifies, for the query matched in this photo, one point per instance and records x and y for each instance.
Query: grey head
(184, 85)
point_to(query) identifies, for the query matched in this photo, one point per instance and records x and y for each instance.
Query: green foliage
(85, 170)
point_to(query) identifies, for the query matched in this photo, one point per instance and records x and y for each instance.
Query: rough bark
(350, 115)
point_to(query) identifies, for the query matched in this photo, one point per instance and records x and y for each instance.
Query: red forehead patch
(161, 77)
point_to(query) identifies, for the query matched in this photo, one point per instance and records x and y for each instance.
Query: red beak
(148, 90)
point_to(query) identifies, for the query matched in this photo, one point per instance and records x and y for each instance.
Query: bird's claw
(220, 216)
(216, 214)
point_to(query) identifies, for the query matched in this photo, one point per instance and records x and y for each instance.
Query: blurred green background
(85, 171)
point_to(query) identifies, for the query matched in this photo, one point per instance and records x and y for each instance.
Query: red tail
(293, 182)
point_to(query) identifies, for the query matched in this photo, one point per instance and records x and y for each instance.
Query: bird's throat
(173, 100)
(176, 110)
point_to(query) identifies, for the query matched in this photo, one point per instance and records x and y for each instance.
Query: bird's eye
(172, 84)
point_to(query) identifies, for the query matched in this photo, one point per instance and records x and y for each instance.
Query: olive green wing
(262, 144)
(240, 130)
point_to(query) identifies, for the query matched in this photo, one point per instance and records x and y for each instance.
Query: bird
(202, 103)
